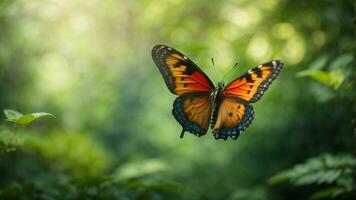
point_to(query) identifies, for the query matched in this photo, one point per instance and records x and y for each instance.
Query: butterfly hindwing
(251, 85)
(234, 116)
(180, 74)
(192, 111)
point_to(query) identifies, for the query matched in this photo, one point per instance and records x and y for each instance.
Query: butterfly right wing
(193, 111)
(235, 111)
(180, 74)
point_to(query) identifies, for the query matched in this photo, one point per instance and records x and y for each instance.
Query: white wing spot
(274, 63)
(249, 71)
(185, 57)
(169, 48)
(259, 66)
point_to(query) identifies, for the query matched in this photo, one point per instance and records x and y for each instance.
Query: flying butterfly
(227, 109)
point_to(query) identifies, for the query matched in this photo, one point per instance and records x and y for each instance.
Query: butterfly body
(217, 96)
(227, 109)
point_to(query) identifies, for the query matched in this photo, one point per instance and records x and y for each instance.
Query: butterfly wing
(180, 74)
(234, 116)
(193, 111)
(236, 112)
(251, 85)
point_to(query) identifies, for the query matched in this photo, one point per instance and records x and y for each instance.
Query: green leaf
(319, 63)
(329, 176)
(12, 115)
(336, 171)
(316, 74)
(333, 78)
(341, 61)
(279, 179)
(140, 169)
(28, 118)
(308, 179)
(326, 193)
(21, 119)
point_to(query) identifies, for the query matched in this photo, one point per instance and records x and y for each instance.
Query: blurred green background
(114, 137)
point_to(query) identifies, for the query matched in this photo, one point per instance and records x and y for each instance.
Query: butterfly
(228, 109)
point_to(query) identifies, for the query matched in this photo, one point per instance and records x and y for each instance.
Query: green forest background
(113, 135)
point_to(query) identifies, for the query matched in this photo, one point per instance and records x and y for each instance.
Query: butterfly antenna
(182, 134)
(228, 72)
(212, 61)
(235, 65)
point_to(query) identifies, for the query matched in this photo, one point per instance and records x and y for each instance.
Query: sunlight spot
(259, 48)
(231, 32)
(254, 14)
(294, 50)
(79, 23)
(269, 4)
(283, 30)
(54, 74)
(242, 17)
(152, 12)
(50, 11)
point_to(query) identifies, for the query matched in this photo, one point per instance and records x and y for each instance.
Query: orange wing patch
(234, 116)
(193, 112)
(198, 110)
(184, 81)
(180, 74)
(251, 85)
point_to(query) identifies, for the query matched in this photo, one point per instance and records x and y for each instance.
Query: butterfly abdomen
(217, 99)
(214, 117)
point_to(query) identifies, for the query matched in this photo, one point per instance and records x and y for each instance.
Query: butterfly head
(217, 94)
(220, 86)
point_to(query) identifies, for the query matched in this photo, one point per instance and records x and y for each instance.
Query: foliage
(93, 188)
(8, 140)
(336, 74)
(21, 119)
(336, 173)
(139, 169)
(255, 193)
(77, 154)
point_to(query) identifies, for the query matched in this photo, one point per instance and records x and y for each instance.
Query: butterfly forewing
(180, 74)
(251, 85)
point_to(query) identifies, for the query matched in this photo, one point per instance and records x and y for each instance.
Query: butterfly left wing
(180, 74)
(251, 85)
(193, 111)
(234, 116)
